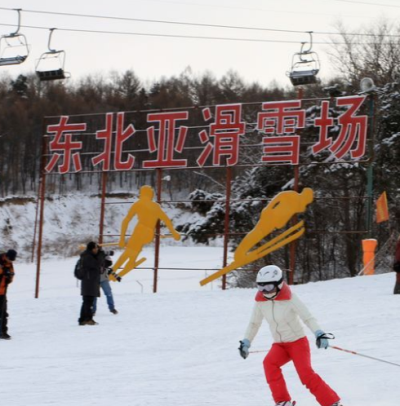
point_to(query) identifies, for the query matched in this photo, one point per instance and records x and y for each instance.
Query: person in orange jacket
(6, 277)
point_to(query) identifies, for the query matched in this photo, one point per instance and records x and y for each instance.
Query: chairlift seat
(8, 46)
(14, 60)
(303, 77)
(51, 74)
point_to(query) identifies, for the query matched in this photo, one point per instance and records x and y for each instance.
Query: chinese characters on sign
(220, 136)
(226, 131)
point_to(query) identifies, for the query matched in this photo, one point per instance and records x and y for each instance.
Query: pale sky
(152, 57)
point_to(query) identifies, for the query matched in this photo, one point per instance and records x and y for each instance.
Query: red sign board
(219, 136)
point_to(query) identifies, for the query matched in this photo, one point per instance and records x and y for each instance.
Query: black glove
(111, 272)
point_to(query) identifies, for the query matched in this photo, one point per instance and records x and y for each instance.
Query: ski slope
(179, 347)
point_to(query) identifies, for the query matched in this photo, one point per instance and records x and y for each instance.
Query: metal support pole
(103, 205)
(369, 199)
(36, 219)
(158, 232)
(370, 186)
(226, 224)
(41, 216)
(293, 245)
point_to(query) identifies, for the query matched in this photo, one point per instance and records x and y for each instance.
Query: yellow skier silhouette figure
(275, 216)
(148, 214)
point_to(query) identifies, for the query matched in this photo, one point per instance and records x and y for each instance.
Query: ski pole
(362, 355)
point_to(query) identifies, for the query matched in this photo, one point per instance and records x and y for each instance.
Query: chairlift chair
(50, 65)
(305, 66)
(13, 47)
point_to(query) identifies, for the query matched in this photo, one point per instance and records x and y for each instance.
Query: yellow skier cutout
(274, 217)
(148, 214)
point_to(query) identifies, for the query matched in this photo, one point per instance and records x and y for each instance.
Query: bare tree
(373, 52)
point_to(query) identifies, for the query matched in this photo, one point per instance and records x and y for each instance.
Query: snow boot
(91, 323)
(114, 311)
(5, 336)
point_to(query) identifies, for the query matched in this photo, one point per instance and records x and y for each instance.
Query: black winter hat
(91, 246)
(11, 255)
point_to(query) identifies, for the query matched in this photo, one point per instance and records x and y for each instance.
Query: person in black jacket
(90, 285)
(396, 267)
(6, 277)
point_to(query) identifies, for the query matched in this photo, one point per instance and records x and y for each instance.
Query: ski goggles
(266, 286)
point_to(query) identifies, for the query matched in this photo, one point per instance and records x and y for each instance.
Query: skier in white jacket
(283, 310)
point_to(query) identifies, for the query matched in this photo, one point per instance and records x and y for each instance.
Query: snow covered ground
(179, 347)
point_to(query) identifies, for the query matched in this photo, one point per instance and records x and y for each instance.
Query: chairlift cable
(368, 3)
(202, 5)
(160, 21)
(166, 35)
(190, 24)
(275, 41)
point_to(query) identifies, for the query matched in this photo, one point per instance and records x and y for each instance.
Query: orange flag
(382, 211)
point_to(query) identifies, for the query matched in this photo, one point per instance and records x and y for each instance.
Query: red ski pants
(298, 352)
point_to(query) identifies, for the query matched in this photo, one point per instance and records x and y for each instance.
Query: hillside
(69, 221)
(179, 347)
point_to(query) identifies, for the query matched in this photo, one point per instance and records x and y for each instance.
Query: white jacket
(283, 315)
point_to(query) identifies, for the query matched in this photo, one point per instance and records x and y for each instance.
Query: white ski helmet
(270, 274)
(270, 279)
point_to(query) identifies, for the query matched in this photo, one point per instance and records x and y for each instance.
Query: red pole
(293, 222)
(41, 217)
(36, 219)
(103, 205)
(158, 231)
(293, 245)
(226, 225)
